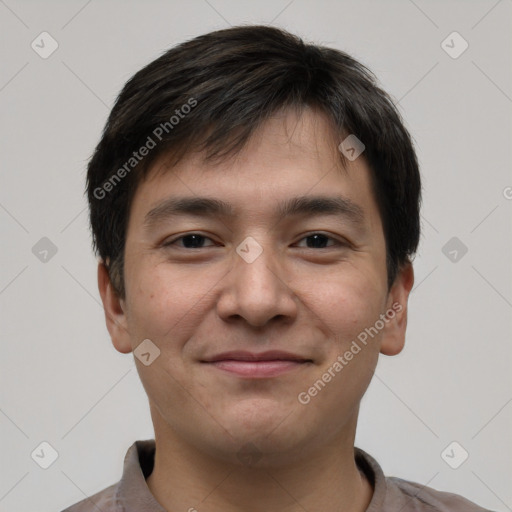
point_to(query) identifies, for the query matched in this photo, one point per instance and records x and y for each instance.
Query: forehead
(289, 157)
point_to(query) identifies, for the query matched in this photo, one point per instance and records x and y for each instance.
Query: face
(258, 309)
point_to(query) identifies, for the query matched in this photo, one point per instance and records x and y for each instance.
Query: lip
(257, 365)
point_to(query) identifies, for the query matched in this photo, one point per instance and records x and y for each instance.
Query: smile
(250, 365)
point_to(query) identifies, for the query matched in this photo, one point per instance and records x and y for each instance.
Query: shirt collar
(133, 494)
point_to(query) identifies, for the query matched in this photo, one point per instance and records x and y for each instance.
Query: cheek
(345, 303)
(166, 304)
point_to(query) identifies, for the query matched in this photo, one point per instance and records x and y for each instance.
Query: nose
(257, 291)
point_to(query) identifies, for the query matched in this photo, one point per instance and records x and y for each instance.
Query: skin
(197, 301)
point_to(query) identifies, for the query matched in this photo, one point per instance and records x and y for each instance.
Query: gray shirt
(390, 494)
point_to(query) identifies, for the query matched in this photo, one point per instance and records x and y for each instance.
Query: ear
(114, 308)
(393, 339)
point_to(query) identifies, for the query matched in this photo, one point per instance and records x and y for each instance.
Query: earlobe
(393, 339)
(114, 309)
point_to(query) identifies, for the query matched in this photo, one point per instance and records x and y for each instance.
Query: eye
(196, 241)
(190, 241)
(318, 241)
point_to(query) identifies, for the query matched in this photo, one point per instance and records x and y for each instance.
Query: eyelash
(338, 242)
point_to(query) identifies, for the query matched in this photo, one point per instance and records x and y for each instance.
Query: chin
(258, 417)
(261, 435)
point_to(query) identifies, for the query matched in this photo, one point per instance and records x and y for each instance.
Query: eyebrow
(296, 206)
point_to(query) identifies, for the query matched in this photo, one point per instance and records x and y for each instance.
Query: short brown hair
(231, 81)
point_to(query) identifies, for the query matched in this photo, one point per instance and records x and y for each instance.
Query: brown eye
(319, 241)
(189, 241)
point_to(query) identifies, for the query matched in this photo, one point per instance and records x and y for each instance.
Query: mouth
(253, 365)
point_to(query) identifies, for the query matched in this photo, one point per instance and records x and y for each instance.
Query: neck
(185, 479)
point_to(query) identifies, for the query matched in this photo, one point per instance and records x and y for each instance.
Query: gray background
(61, 381)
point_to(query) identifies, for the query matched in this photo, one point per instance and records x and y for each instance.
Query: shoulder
(392, 494)
(104, 500)
(415, 497)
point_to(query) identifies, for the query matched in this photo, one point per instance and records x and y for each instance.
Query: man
(255, 207)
